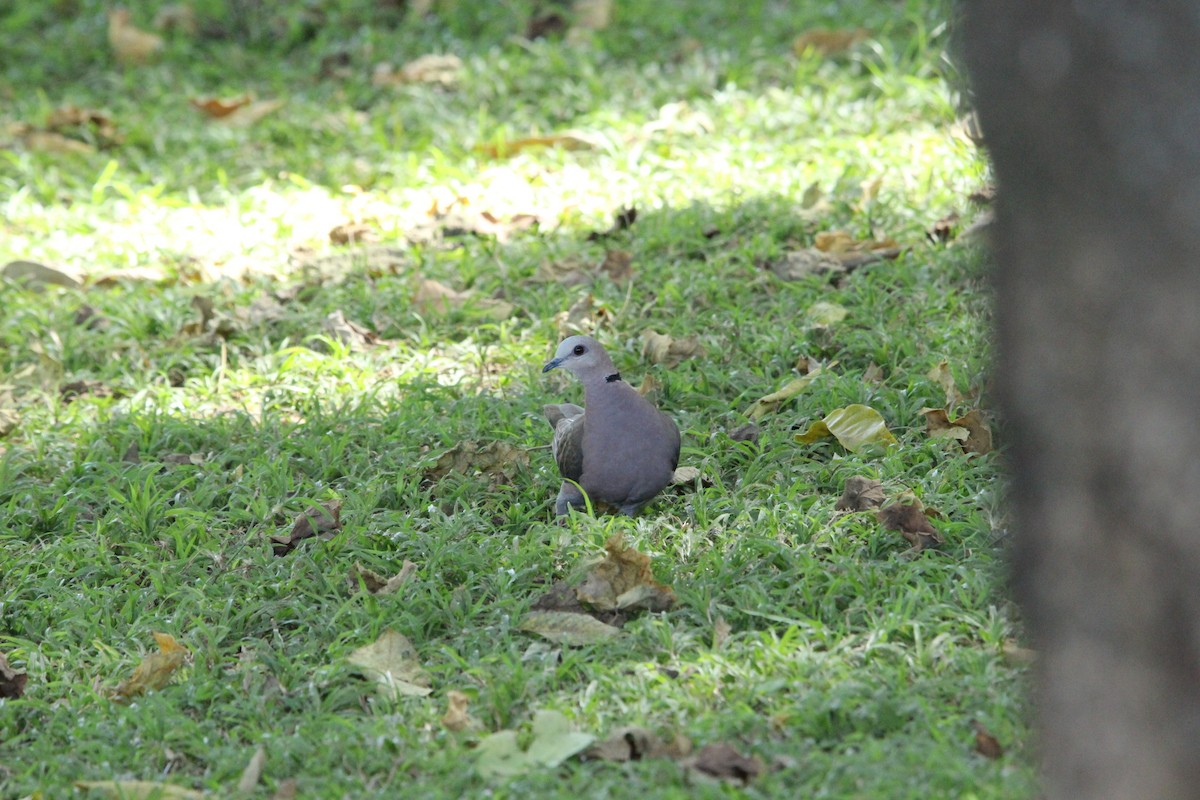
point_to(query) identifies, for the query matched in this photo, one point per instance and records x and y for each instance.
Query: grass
(852, 668)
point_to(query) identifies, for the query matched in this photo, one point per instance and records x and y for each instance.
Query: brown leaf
(873, 373)
(985, 743)
(943, 376)
(798, 264)
(176, 17)
(323, 521)
(980, 438)
(661, 348)
(218, 107)
(649, 387)
(969, 429)
(87, 123)
(635, 744)
(375, 583)
(912, 524)
(36, 275)
(130, 44)
(860, 494)
(591, 15)
(721, 631)
(354, 233)
(1016, 655)
(456, 717)
(12, 682)
(182, 459)
(252, 774)
(51, 142)
(288, 789)
(584, 316)
(723, 761)
(617, 265)
(443, 70)
(132, 454)
(435, 297)
(392, 661)
(348, 332)
(499, 460)
(828, 42)
(562, 141)
(75, 389)
(943, 230)
(155, 671)
(622, 219)
(623, 580)
(251, 113)
(685, 476)
(568, 627)
(746, 433)
(545, 23)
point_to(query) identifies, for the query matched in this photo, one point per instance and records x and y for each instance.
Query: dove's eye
(579, 350)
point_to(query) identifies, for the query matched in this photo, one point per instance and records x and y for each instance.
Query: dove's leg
(569, 496)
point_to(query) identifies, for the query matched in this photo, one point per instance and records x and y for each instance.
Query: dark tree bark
(1091, 112)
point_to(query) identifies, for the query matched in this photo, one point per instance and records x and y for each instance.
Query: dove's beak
(551, 364)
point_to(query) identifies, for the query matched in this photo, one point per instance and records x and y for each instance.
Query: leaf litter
(323, 520)
(392, 661)
(553, 741)
(155, 670)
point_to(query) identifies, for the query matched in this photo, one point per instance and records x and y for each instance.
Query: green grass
(853, 668)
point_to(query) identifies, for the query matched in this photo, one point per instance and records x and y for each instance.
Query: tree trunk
(1091, 112)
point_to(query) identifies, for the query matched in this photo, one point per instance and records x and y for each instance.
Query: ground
(315, 299)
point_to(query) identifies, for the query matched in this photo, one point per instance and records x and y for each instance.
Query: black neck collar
(616, 376)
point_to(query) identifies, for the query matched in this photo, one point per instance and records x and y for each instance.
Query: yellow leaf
(155, 671)
(130, 44)
(765, 405)
(563, 141)
(855, 427)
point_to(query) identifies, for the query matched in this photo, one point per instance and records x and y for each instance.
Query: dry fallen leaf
(623, 580)
(553, 741)
(218, 107)
(685, 475)
(177, 17)
(392, 661)
(591, 15)
(35, 275)
(564, 141)
(247, 115)
(942, 375)
(860, 494)
(435, 297)
(130, 44)
(87, 123)
(617, 265)
(155, 670)
(567, 627)
(375, 583)
(828, 42)
(584, 316)
(985, 743)
(457, 718)
(855, 427)
(51, 142)
(797, 264)
(660, 348)
(622, 219)
(824, 314)
(499, 460)
(721, 631)
(350, 333)
(771, 402)
(252, 774)
(944, 229)
(746, 433)
(724, 762)
(635, 744)
(354, 233)
(75, 389)
(444, 70)
(12, 682)
(140, 790)
(970, 430)
(323, 520)
(1016, 655)
(912, 524)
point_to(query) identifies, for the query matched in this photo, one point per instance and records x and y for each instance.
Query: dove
(619, 448)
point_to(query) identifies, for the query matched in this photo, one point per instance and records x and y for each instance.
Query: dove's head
(583, 356)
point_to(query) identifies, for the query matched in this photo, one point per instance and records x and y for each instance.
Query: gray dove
(623, 450)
